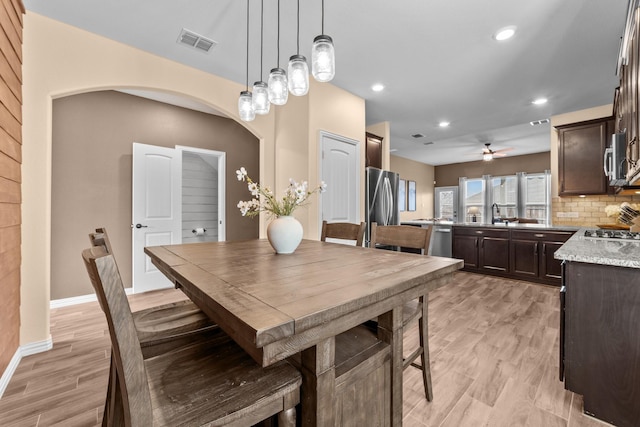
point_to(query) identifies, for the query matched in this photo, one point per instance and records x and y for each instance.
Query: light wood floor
(494, 360)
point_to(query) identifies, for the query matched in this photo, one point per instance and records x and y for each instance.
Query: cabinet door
(524, 258)
(466, 248)
(494, 254)
(374, 151)
(550, 268)
(581, 149)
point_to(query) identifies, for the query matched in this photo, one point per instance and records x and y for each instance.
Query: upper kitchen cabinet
(374, 150)
(580, 151)
(625, 106)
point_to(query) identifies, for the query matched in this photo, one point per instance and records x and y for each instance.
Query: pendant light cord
(298, 30)
(261, 34)
(322, 32)
(278, 47)
(247, 74)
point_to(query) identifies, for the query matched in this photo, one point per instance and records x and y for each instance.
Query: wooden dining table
(299, 305)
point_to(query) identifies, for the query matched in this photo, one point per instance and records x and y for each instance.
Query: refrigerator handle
(389, 201)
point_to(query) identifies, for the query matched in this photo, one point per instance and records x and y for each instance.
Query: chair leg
(287, 418)
(423, 324)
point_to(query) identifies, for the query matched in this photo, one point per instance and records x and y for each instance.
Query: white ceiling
(437, 59)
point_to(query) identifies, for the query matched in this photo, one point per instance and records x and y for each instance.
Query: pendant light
(245, 104)
(298, 69)
(260, 90)
(278, 89)
(323, 57)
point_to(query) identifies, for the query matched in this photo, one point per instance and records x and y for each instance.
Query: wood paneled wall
(11, 12)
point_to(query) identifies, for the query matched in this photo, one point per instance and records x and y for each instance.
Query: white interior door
(446, 203)
(156, 216)
(340, 169)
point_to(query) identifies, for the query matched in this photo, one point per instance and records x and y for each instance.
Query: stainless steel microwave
(615, 160)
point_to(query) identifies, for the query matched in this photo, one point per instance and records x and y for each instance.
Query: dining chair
(343, 230)
(159, 329)
(158, 326)
(406, 236)
(210, 381)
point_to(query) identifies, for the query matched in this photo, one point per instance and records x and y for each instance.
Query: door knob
(141, 226)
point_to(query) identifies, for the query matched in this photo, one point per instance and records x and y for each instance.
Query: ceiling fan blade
(503, 150)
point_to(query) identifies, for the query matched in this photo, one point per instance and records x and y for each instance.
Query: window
(504, 193)
(517, 196)
(473, 200)
(535, 197)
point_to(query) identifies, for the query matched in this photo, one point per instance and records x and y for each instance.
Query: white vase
(284, 234)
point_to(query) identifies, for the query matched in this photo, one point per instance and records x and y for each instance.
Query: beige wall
(423, 175)
(447, 175)
(92, 140)
(60, 60)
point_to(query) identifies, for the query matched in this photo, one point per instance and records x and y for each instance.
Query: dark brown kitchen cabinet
(531, 255)
(601, 340)
(626, 100)
(373, 150)
(580, 152)
(482, 249)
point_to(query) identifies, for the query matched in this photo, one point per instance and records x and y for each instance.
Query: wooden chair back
(126, 352)
(404, 236)
(343, 230)
(100, 238)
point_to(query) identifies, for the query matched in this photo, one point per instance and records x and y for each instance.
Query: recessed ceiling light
(505, 33)
(377, 87)
(539, 101)
(444, 124)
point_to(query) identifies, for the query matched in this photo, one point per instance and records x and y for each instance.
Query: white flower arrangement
(264, 200)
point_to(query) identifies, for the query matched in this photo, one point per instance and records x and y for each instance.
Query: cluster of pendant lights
(295, 80)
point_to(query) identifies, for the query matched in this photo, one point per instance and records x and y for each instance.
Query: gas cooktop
(612, 234)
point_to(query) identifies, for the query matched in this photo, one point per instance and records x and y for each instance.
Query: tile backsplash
(586, 211)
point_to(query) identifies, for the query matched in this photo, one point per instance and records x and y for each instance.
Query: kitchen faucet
(495, 213)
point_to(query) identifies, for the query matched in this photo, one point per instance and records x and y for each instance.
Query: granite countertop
(518, 225)
(622, 253)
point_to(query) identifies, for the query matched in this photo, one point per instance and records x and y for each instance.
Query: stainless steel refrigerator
(382, 199)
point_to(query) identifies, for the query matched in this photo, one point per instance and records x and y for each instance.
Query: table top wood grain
(275, 305)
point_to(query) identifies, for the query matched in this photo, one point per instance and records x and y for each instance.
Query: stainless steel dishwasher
(441, 241)
(441, 235)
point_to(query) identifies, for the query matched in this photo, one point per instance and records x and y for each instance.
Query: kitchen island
(600, 325)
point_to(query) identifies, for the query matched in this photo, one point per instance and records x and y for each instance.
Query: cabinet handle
(476, 243)
(544, 250)
(535, 249)
(538, 235)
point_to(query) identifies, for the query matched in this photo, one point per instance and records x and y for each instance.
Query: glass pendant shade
(261, 98)
(245, 107)
(298, 75)
(278, 89)
(323, 59)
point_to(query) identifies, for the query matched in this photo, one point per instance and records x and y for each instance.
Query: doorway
(445, 205)
(178, 197)
(340, 166)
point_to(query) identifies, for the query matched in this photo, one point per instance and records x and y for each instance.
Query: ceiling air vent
(196, 41)
(539, 122)
(417, 135)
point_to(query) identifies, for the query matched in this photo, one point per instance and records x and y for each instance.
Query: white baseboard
(22, 351)
(65, 302)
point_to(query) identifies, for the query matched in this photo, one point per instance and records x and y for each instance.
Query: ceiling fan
(488, 154)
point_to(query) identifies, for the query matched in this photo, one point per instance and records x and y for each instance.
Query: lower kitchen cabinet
(601, 340)
(482, 249)
(531, 255)
(511, 252)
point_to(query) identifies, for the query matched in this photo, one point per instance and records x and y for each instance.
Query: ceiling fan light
(487, 157)
(323, 59)
(298, 72)
(278, 89)
(245, 106)
(261, 102)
